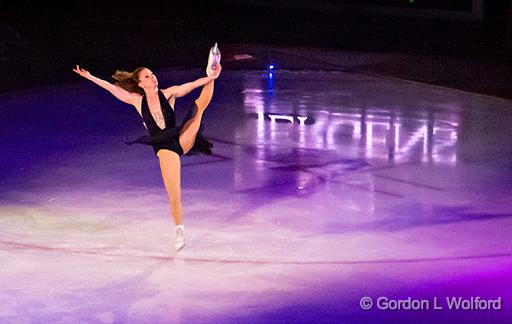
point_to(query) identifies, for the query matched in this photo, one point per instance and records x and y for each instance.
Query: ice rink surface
(324, 188)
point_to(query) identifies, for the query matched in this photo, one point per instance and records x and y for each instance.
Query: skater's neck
(151, 92)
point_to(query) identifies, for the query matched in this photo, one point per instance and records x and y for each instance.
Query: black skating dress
(168, 138)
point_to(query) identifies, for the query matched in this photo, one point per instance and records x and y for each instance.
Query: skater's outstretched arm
(186, 88)
(116, 91)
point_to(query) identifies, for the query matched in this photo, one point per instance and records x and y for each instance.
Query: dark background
(42, 41)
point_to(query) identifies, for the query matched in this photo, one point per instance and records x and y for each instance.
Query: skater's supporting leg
(170, 165)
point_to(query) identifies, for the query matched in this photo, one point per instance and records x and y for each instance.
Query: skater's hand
(216, 69)
(82, 72)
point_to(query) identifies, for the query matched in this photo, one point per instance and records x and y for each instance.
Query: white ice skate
(213, 60)
(179, 243)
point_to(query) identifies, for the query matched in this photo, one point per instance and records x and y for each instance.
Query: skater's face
(147, 79)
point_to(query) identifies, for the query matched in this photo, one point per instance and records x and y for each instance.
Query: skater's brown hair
(129, 80)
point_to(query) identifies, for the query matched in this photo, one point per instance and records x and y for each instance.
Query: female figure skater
(140, 89)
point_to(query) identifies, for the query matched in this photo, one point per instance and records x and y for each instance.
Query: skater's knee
(201, 104)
